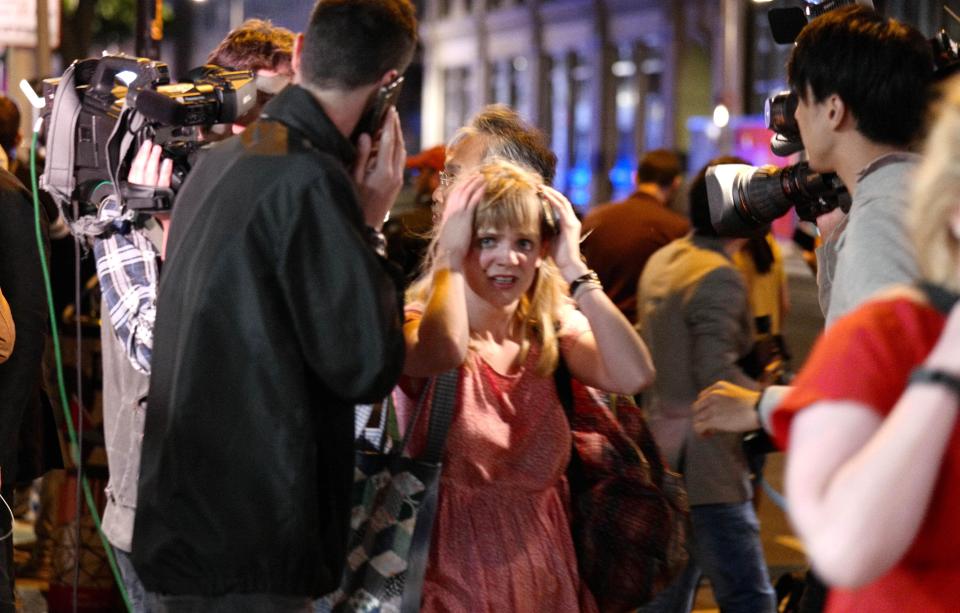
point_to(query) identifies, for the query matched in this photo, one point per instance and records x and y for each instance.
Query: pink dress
(501, 541)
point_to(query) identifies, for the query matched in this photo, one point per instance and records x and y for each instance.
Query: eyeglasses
(446, 179)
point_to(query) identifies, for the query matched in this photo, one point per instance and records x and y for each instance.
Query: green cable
(71, 432)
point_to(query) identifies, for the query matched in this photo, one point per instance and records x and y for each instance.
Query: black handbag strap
(562, 381)
(441, 414)
(442, 403)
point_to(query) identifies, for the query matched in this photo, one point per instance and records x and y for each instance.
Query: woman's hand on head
(456, 225)
(566, 245)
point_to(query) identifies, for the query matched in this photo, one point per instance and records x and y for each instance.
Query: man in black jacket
(275, 316)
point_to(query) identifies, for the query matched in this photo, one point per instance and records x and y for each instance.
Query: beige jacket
(8, 333)
(693, 314)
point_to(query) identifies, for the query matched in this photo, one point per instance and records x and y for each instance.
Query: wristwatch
(923, 374)
(377, 240)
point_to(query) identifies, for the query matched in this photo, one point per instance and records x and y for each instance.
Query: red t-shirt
(866, 357)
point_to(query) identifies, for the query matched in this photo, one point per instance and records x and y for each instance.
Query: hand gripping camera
(100, 111)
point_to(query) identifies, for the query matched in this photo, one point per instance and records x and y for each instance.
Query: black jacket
(274, 317)
(21, 280)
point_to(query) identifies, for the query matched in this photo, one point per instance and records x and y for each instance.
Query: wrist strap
(939, 377)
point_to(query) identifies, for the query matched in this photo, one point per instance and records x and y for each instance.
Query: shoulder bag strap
(441, 414)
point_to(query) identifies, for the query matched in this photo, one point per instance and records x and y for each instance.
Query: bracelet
(585, 287)
(377, 240)
(923, 374)
(587, 277)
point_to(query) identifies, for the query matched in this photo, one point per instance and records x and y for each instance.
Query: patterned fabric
(388, 493)
(392, 512)
(128, 271)
(629, 512)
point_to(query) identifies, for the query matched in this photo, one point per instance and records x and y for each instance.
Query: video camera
(745, 199)
(101, 110)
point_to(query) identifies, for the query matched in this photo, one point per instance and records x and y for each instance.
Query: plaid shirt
(128, 269)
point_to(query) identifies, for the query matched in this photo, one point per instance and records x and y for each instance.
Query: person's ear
(296, 58)
(836, 110)
(17, 139)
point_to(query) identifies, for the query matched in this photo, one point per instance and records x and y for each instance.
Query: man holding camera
(274, 317)
(863, 85)
(126, 259)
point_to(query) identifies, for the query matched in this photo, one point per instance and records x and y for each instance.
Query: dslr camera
(100, 111)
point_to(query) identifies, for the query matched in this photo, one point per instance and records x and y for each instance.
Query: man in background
(620, 237)
(693, 313)
(496, 131)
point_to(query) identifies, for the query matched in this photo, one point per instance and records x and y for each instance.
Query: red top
(501, 538)
(866, 357)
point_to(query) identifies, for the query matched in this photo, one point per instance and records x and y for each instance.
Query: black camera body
(101, 110)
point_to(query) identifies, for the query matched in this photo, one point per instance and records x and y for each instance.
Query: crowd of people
(241, 335)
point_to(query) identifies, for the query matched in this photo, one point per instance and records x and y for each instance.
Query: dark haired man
(621, 236)
(863, 83)
(693, 313)
(496, 131)
(275, 316)
(127, 267)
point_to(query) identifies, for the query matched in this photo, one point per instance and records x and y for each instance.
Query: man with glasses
(496, 131)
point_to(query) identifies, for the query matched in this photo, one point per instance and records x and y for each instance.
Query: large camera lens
(745, 199)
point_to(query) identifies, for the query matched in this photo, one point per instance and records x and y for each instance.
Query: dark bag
(629, 512)
(394, 504)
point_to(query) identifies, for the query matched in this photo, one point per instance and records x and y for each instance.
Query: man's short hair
(351, 43)
(9, 123)
(699, 202)
(660, 166)
(256, 44)
(880, 68)
(511, 138)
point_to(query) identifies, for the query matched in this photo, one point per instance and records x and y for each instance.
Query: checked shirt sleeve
(128, 271)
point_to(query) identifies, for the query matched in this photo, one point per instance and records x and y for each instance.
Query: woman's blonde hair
(936, 195)
(512, 199)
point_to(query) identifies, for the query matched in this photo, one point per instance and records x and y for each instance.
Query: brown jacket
(623, 236)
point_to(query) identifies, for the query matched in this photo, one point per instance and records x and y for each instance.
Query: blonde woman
(494, 303)
(873, 474)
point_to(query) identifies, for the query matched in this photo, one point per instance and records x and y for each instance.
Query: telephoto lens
(744, 199)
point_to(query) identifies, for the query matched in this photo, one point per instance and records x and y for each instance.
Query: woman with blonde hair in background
(873, 473)
(493, 302)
